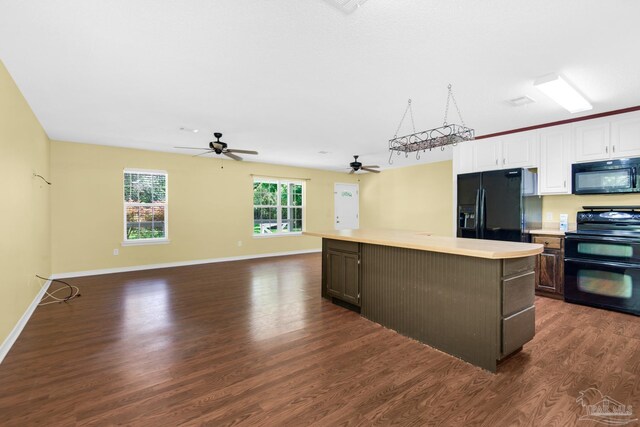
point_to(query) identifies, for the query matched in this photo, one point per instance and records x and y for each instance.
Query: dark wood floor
(252, 343)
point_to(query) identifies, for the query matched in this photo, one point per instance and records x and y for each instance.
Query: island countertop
(425, 241)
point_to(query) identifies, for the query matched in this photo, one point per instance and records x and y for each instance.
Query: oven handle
(628, 240)
(633, 177)
(603, 263)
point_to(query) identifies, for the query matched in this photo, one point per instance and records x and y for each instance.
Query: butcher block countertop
(424, 241)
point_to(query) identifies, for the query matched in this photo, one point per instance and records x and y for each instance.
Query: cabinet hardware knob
(503, 161)
(606, 149)
(614, 148)
(496, 161)
(546, 243)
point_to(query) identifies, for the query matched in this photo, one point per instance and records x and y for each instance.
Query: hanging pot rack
(447, 134)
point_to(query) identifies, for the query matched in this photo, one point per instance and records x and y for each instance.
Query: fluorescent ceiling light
(558, 89)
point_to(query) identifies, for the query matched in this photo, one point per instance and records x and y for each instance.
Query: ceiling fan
(220, 147)
(356, 166)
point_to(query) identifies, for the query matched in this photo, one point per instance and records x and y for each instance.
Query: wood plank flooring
(252, 343)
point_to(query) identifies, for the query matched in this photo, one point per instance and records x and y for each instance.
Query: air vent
(522, 101)
(347, 6)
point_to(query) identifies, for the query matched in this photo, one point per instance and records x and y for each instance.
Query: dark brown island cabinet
(342, 280)
(550, 266)
(470, 298)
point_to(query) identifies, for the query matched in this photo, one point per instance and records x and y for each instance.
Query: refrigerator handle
(482, 203)
(477, 213)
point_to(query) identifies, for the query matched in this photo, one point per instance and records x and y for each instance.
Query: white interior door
(347, 206)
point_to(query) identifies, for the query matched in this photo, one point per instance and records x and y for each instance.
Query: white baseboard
(176, 264)
(15, 332)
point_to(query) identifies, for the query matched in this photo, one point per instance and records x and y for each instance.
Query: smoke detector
(347, 6)
(521, 101)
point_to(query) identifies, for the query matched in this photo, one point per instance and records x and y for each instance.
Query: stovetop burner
(613, 221)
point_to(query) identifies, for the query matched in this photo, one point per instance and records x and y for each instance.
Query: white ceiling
(292, 78)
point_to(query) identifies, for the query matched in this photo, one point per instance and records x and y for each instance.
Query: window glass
(145, 205)
(277, 207)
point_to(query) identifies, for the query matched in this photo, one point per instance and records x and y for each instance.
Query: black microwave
(611, 176)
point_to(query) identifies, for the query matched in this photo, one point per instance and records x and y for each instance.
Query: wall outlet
(549, 216)
(239, 243)
(116, 252)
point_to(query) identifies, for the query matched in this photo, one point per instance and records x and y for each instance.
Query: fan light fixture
(560, 90)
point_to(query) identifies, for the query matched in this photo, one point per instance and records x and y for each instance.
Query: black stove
(609, 221)
(602, 258)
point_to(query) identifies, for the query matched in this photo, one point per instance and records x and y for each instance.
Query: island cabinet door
(343, 281)
(351, 279)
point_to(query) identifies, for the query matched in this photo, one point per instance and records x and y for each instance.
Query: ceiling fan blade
(191, 148)
(233, 156)
(370, 166)
(352, 171)
(233, 150)
(369, 170)
(202, 154)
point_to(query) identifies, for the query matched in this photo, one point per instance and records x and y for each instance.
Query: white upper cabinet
(608, 138)
(520, 150)
(463, 157)
(488, 154)
(625, 136)
(554, 173)
(592, 140)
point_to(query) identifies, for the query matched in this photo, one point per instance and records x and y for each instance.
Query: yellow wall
(25, 247)
(411, 198)
(571, 204)
(210, 209)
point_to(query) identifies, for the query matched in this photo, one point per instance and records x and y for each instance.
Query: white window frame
(279, 206)
(153, 240)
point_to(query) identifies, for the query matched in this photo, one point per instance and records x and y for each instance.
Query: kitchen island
(470, 298)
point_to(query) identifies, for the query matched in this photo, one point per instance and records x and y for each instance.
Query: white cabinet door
(592, 141)
(555, 161)
(487, 154)
(520, 150)
(625, 136)
(463, 154)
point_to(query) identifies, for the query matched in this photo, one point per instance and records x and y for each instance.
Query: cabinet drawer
(513, 266)
(518, 293)
(517, 330)
(343, 245)
(548, 241)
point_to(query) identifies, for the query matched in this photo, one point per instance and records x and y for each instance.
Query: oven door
(611, 285)
(601, 248)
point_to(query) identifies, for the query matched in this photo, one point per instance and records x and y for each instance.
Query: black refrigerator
(498, 205)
